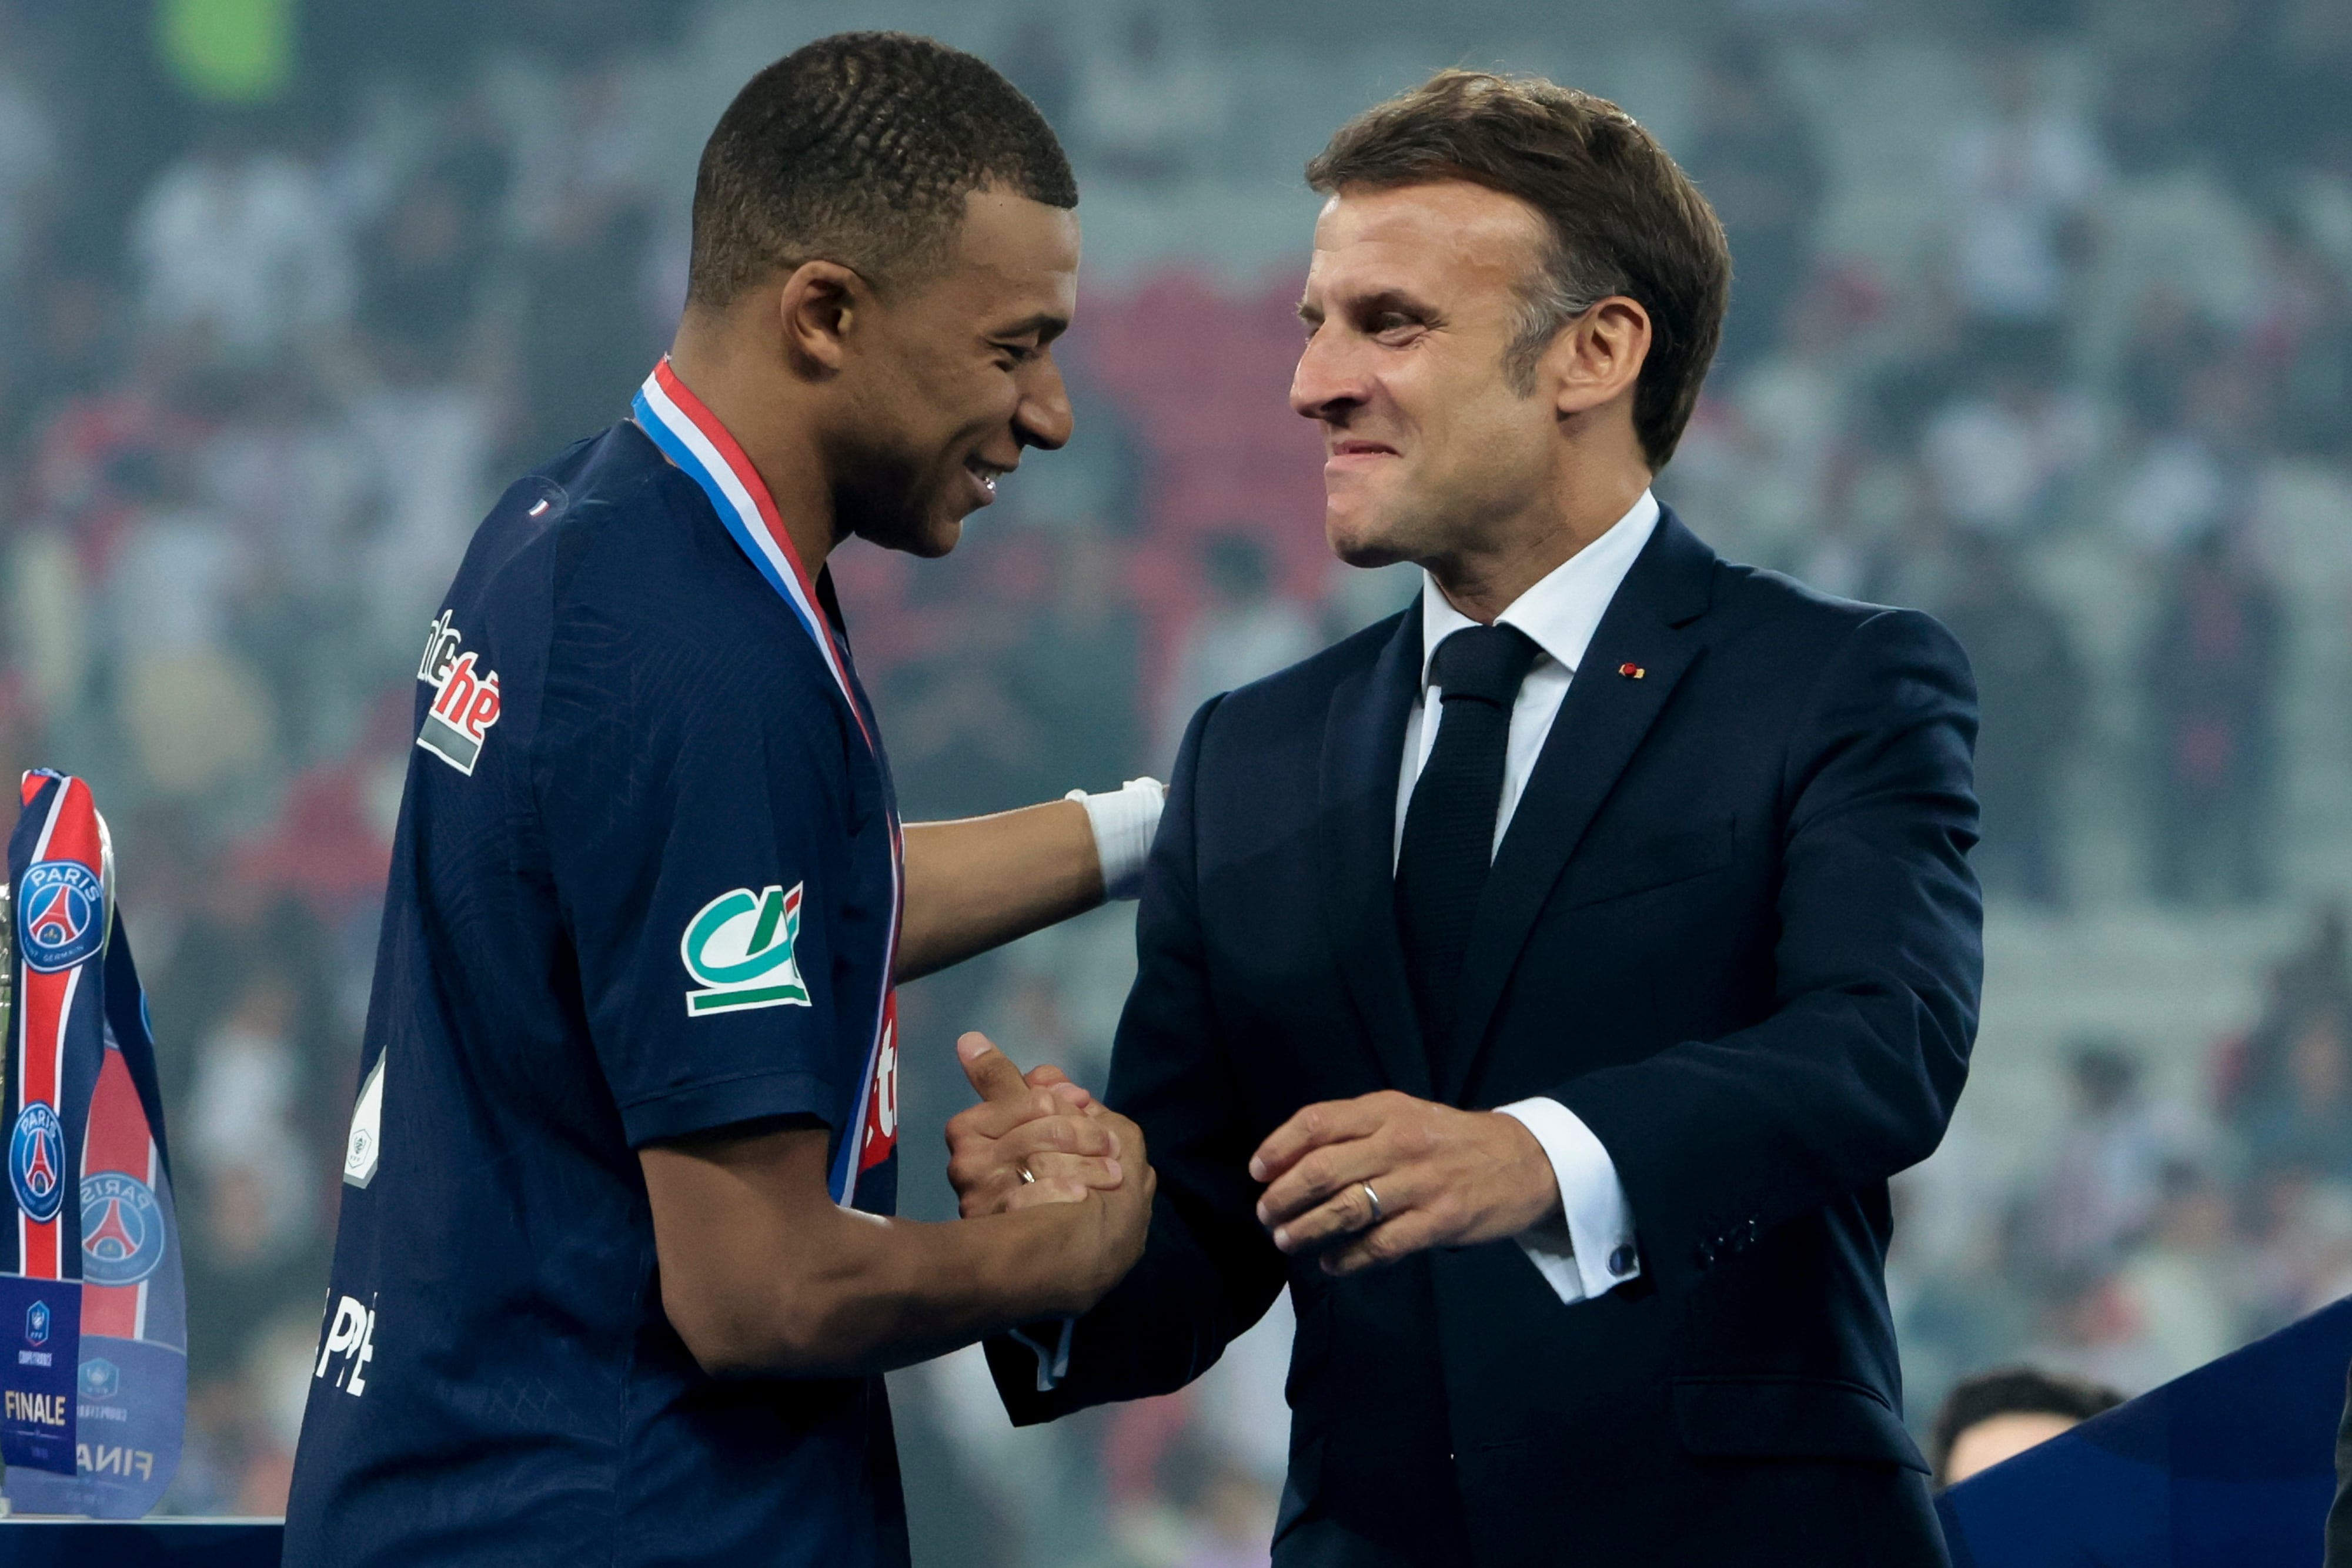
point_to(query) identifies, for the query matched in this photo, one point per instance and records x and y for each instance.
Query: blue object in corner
(140, 1543)
(2231, 1466)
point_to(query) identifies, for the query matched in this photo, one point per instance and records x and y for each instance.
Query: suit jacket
(1732, 926)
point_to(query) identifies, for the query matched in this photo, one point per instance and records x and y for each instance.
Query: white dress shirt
(1590, 1249)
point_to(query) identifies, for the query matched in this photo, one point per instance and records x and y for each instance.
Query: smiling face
(953, 376)
(1411, 301)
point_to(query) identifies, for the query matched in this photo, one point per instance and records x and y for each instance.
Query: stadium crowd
(286, 295)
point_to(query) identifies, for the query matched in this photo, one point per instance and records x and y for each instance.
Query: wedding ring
(1028, 1177)
(1374, 1199)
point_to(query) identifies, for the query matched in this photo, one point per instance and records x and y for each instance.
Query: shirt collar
(1562, 610)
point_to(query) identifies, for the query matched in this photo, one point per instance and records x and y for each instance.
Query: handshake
(1359, 1182)
(1040, 1139)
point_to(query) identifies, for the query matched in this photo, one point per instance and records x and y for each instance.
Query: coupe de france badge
(738, 948)
(40, 1338)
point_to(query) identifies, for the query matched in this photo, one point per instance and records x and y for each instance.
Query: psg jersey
(646, 883)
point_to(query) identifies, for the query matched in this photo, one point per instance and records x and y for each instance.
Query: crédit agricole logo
(738, 948)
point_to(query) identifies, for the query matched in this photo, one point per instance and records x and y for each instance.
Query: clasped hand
(1443, 1177)
(1033, 1138)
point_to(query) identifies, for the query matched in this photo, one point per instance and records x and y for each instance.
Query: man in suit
(1544, 982)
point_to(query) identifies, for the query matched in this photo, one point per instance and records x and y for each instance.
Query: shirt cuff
(1588, 1250)
(1124, 821)
(1054, 1359)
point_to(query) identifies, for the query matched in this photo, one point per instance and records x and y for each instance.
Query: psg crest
(59, 911)
(36, 1151)
(121, 1229)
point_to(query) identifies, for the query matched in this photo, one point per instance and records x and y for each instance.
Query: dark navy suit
(1731, 926)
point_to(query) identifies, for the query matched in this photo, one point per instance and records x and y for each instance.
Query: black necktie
(1449, 827)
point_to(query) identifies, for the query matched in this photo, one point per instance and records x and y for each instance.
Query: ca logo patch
(738, 948)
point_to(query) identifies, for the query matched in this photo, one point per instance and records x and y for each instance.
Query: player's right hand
(1068, 1143)
(1116, 1222)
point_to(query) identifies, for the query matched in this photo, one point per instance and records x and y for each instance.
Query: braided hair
(860, 148)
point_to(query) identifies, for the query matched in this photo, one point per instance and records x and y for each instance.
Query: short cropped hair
(860, 148)
(1622, 218)
(2013, 1391)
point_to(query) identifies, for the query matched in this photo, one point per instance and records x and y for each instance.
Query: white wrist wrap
(1124, 821)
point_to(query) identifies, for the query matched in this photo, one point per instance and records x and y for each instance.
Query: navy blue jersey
(644, 884)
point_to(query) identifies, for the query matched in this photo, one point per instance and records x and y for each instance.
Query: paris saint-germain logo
(121, 1229)
(36, 1162)
(59, 914)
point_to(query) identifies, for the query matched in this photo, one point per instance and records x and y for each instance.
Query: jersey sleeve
(695, 808)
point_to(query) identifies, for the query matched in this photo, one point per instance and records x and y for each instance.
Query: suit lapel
(1600, 724)
(1363, 746)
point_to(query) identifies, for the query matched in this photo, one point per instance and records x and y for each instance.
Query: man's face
(1410, 306)
(955, 375)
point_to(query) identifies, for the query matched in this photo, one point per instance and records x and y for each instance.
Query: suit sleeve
(1208, 1270)
(1879, 964)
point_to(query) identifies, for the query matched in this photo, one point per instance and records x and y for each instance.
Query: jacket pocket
(1653, 862)
(1784, 1417)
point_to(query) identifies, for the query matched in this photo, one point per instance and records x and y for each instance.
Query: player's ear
(817, 309)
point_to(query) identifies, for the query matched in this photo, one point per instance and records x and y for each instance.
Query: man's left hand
(1444, 1178)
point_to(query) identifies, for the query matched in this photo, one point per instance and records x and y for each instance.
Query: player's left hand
(1444, 1177)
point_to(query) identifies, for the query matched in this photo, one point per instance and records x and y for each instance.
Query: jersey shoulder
(657, 619)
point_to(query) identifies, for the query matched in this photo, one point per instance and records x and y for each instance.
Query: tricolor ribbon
(692, 437)
(93, 1318)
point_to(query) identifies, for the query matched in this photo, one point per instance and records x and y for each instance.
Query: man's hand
(1066, 1143)
(1444, 1178)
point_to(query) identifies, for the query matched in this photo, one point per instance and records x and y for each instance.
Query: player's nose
(1045, 419)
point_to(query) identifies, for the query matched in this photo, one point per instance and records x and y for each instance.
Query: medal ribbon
(44, 1008)
(99, 1395)
(692, 437)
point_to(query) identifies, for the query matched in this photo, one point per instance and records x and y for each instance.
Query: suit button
(1706, 1254)
(1621, 1262)
(1751, 1232)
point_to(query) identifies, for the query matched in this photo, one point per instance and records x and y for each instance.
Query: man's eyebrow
(1373, 304)
(1395, 299)
(1045, 325)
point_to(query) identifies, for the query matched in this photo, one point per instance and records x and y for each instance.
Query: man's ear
(1598, 357)
(817, 309)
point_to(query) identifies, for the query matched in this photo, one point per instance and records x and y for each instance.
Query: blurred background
(2042, 323)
